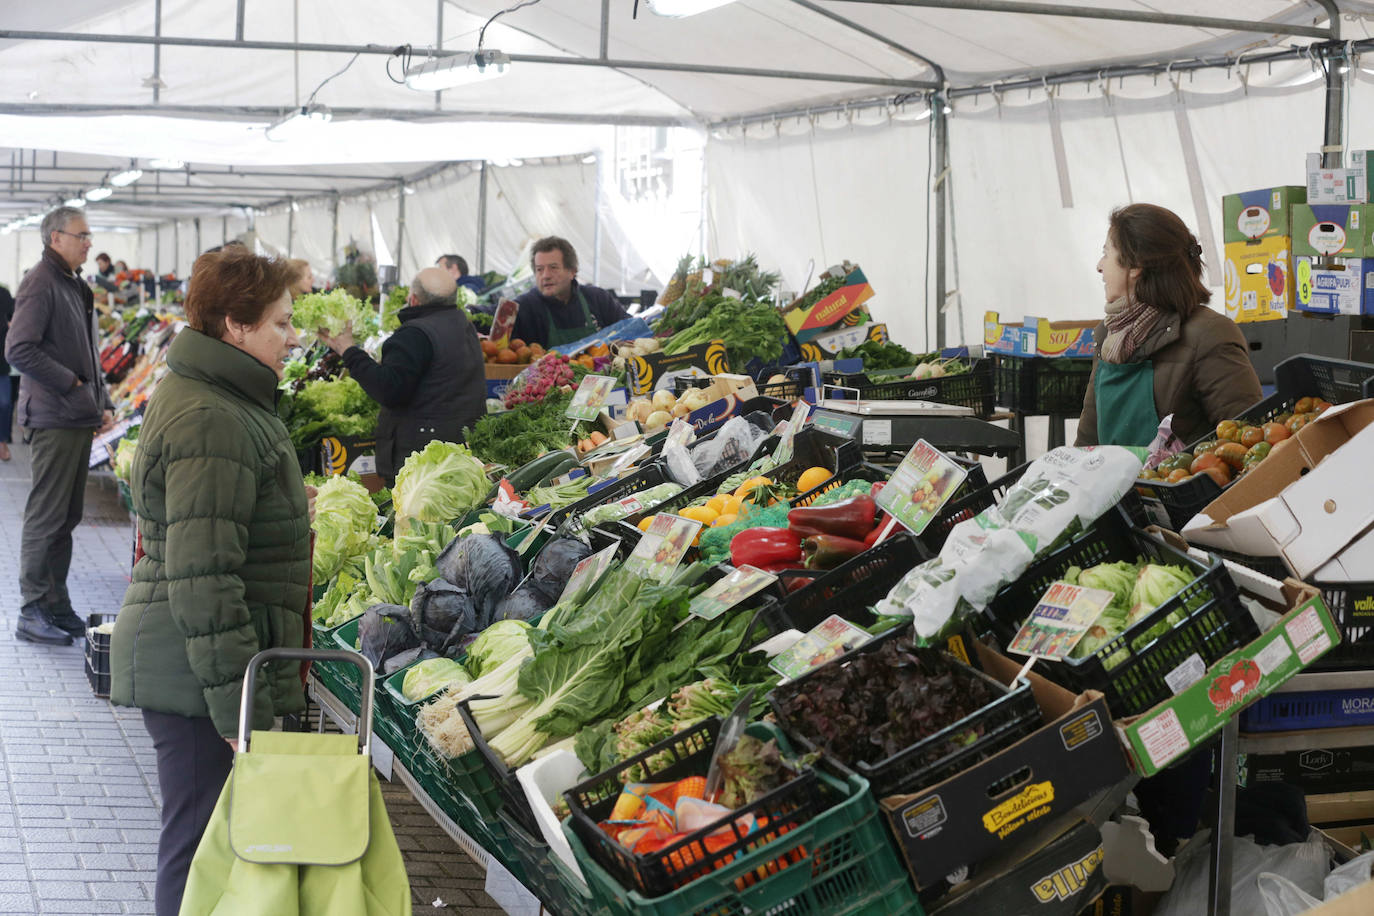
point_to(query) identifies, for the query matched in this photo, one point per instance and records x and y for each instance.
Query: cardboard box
(1259, 214)
(828, 346)
(1267, 342)
(1357, 902)
(1259, 279)
(1333, 230)
(1038, 336)
(645, 371)
(1351, 184)
(504, 371)
(1335, 286)
(1346, 769)
(1298, 503)
(342, 454)
(1173, 728)
(1338, 807)
(809, 323)
(1338, 336)
(971, 817)
(1057, 879)
(713, 414)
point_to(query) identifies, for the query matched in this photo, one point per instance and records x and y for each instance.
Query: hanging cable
(510, 9)
(404, 53)
(310, 101)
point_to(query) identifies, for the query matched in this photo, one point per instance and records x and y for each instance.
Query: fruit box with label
(994, 805)
(1038, 336)
(341, 454)
(1060, 878)
(645, 371)
(1302, 635)
(1352, 184)
(1259, 214)
(1335, 286)
(1259, 279)
(828, 346)
(1333, 230)
(712, 414)
(808, 323)
(1298, 504)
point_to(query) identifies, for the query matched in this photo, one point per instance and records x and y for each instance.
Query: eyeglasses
(84, 236)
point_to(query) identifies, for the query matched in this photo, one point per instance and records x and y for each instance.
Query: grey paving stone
(17, 905)
(62, 890)
(119, 890)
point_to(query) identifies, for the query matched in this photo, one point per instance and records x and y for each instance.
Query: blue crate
(1315, 709)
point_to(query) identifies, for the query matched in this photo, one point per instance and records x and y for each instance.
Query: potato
(681, 409)
(658, 419)
(664, 400)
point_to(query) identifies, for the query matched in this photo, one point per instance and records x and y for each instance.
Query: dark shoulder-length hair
(233, 282)
(1157, 243)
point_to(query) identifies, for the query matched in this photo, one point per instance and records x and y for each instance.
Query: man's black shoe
(67, 620)
(34, 626)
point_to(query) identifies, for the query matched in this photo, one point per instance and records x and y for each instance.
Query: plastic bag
(1066, 484)
(1304, 865)
(1284, 898)
(734, 444)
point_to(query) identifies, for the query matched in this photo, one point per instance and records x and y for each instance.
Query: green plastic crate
(850, 868)
(547, 877)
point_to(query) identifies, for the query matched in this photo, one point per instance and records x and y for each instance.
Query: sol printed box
(1259, 214)
(993, 805)
(1259, 279)
(1038, 336)
(1302, 635)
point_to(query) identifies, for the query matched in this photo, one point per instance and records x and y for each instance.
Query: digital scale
(894, 426)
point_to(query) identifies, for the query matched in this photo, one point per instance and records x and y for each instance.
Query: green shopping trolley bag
(300, 828)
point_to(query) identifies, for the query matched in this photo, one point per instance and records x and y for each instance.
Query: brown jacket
(1202, 374)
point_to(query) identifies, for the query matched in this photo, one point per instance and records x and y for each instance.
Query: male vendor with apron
(559, 310)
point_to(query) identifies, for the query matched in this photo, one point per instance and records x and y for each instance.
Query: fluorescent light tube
(126, 177)
(457, 70)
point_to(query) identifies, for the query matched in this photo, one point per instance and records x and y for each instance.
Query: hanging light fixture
(293, 124)
(77, 202)
(96, 194)
(165, 165)
(678, 9)
(126, 177)
(438, 73)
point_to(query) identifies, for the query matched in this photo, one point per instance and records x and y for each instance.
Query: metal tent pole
(596, 225)
(482, 218)
(1332, 147)
(400, 223)
(334, 236)
(939, 123)
(290, 226)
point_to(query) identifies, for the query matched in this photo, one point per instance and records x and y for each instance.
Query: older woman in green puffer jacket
(225, 521)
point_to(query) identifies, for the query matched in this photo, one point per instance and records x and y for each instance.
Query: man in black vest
(431, 381)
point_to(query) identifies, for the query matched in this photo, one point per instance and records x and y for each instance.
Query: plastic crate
(561, 892)
(1214, 621)
(852, 588)
(650, 475)
(1283, 712)
(972, 389)
(1052, 385)
(790, 390)
(98, 655)
(849, 866)
(1338, 381)
(998, 725)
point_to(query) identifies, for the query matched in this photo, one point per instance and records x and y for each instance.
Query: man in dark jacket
(431, 382)
(457, 268)
(559, 310)
(63, 401)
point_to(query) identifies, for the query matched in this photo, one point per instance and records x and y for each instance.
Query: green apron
(1126, 412)
(559, 336)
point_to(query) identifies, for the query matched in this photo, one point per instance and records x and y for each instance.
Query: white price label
(877, 432)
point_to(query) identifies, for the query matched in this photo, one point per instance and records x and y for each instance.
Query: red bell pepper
(849, 518)
(763, 547)
(826, 551)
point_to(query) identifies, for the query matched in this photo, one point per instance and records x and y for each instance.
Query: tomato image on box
(1259, 279)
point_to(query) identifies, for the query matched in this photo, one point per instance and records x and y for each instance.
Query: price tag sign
(590, 397)
(103, 448)
(663, 546)
(625, 431)
(587, 573)
(920, 487)
(831, 638)
(680, 434)
(783, 453)
(1065, 613)
(503, 322)
(730, 592)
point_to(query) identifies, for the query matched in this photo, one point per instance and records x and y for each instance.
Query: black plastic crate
(98, 655)
(798, 380)
(998, 725)
(972, 389)
(1214, 622)
(852, 588)
(688, 753)
(1051, 385)
(1337, 381)
(650, 475)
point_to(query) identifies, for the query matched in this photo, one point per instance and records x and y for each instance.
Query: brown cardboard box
(1359, 902)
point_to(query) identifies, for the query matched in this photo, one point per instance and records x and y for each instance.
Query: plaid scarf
(1127, 325)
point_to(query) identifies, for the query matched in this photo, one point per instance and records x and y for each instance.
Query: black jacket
(532, 323)
(6, 315)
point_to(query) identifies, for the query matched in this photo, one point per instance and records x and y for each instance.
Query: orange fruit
(645, 522)
(812, 478)
(724, 520)
(700, 514)
(750, 484)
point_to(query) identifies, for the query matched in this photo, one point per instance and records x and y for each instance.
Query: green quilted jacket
(222, 510)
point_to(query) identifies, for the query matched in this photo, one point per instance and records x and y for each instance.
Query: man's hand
(106, 422)
(233, 744)
(340, 343)
(310, 493)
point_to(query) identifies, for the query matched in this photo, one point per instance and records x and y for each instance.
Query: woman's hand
(233, 744)
(310, 493)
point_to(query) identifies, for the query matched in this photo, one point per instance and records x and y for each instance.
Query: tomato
(1275, 433)
(1228, 430)
(1258, 452)
(1296, 423)
(1178, 474)
(1233, 453)
(1221, 473)
(1149, 474)
(1319, 407)
(1251, 435)
(1203, 462)
(1284, 417)
(1304, 405)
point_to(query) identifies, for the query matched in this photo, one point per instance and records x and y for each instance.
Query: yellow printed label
(335, 457)
(1020, 809)
(1069, 880)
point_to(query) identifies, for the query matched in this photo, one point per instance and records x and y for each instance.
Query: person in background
(104, 276)
(121, 267)
(62, 402)
(7, 391)
(457, 268)
(431, 382)
(560, 310)
(225, 520)
(1160, 350)
(304, 282)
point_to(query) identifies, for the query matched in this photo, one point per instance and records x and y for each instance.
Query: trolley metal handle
(311, 655)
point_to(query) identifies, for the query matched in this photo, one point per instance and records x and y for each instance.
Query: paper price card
(832, 637)
(663, 546)
(783, 453)
(730, 591)
(920, 487)
(587, 573)
(680, 434)
(1060, 620)
(590, 396)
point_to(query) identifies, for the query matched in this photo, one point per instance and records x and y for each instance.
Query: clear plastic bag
(1302, 865)
(1284, 898)
(734, 444)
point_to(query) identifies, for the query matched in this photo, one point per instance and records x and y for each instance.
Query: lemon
(812, 478)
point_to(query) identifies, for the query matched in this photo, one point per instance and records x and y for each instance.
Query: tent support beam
(939, 123)
(238, 21)
(157, 50)
(400, 224)
(615, 64)
(870, 33)
(482, 218)
(290, 228)
(1119, 15)
(334, 236)
(439, 44)
(1332, 151)
(605, 29)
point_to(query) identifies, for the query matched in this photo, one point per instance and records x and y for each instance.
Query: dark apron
(559, 336)
(1126, 412)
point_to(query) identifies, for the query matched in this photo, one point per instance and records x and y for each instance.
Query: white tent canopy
(816, 115)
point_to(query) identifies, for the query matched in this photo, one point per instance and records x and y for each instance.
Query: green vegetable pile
(1137, 589)
(345, 518)
(440, 483)
(123, 464)
(480, 320)
(337, 407)
(688, 298)
(390, 573)
(879, 356)
(517, 437)
(748, 331)
(392, 305)
(332, 311)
